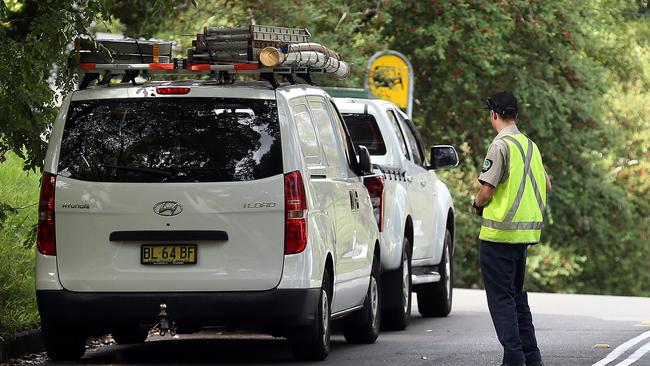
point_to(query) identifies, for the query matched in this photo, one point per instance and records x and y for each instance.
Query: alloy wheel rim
(325, 316)
(405, 284)
(374, 300)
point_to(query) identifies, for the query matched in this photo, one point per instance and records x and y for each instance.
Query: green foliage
(551, 268)
(142, 17)
(17, 298)
(37, 37)
(559, 62)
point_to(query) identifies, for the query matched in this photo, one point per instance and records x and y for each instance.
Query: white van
(188, 204)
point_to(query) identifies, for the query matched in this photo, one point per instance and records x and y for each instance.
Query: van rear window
(171, 140)
(364, 131)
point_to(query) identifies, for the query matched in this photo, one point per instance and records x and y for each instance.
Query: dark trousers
(504, 269)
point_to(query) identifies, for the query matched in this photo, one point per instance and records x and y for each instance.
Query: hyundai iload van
(180, 205)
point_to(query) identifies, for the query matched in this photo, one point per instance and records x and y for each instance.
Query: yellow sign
(391, 78)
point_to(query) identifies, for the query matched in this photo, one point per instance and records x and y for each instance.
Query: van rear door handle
(354, 200)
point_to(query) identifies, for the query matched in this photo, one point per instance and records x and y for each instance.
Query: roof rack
(266, 51)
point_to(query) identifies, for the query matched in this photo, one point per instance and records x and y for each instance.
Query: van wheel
(399, 284)
(313, 343)
(63, 344)
(362, 326)
(435, 299)
(130, 334)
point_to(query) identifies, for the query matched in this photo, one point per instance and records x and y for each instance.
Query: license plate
(168, 254)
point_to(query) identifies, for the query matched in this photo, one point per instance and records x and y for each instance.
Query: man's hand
(483, 198)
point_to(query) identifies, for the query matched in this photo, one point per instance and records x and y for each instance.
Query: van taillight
(295, 207)
(375, 186)
(45, 238)
(171, 90)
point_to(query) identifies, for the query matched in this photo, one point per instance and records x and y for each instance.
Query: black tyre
(397, 293)
(435, 299)
(362, 326)
(130, 334)
(63, 344)
(313, 343)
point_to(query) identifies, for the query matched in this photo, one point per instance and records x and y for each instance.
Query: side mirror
(365, 165)
(443, 156)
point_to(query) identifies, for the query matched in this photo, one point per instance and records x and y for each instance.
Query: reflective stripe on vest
(521, 231)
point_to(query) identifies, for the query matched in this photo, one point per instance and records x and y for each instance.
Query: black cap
(503, 103)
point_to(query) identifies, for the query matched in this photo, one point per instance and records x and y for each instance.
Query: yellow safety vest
(515, 213)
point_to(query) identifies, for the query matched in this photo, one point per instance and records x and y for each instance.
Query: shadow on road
(208, 348)
(202, 351)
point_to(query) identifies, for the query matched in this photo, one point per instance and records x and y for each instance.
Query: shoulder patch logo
(487, 164)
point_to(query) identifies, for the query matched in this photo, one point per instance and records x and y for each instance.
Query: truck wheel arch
(408, 231)
(329, 266)
(451, 226)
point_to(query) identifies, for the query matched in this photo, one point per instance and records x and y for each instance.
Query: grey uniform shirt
(496, 166)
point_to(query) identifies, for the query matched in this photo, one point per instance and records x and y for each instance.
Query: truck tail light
(375, 186)
(295, 206)
(45, 235)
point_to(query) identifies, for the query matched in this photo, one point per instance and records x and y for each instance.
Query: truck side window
(398, 133)
(308, 139)
(417, 138)
(416, 148)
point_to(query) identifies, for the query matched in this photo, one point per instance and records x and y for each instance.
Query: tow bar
(165, 324)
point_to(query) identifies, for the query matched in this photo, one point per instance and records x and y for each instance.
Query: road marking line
(621, 349)
(636, 355)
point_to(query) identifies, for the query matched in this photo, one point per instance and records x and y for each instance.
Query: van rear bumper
(100, 311)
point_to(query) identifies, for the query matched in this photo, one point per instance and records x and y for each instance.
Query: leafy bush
(19, 192)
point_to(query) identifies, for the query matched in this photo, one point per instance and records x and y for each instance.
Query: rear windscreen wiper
(158, 172)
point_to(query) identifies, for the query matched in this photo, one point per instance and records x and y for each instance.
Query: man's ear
(494, 115)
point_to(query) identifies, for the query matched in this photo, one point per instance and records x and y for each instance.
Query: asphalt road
(568, 328)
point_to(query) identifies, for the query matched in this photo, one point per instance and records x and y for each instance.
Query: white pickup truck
(413, 208)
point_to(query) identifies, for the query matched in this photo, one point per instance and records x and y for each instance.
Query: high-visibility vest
(515, 213)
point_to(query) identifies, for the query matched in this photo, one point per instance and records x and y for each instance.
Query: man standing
(511, 202)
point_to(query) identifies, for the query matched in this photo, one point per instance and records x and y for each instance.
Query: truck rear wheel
(435, 299)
